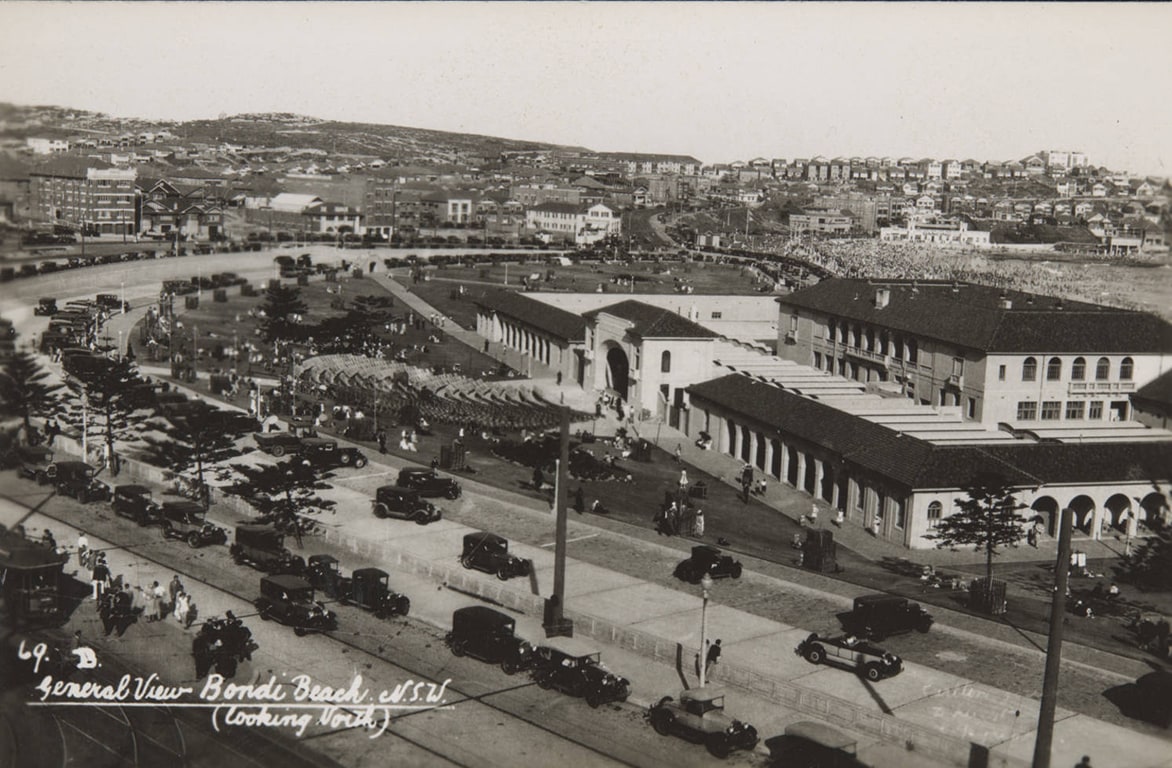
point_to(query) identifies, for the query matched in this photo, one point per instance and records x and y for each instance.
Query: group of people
(677, 517)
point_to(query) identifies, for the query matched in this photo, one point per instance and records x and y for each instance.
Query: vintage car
(428, 483)
(404, 504)
(813, 744)
(877, 616)
(482, 633)
(490, 553)
(77, 479)
(263, 547)
(289, 600)
(369, 589)
(707, 559)
(699, 717)
(277, 443)
(185, 520)
(110, 301)
(33, 462)
(227, 642)
(573, 668)
(325, 454)
(45, 306)
(135, 502)
(847, 651)
(324, 573)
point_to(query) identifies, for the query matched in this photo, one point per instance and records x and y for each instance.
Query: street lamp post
(705, 587)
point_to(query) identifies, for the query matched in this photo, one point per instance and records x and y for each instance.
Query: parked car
(428, 483)
(46, 306)
(579, 672)
(33, 462)
(404, 504)
(813, 744)
(263, 547)
(482, 633)
(135, 502)
(849, 652)
(369, 589)
(277, 443)
(186, 520)
(324, 572)
(111, 302)
(707, 559)
(490, 553)
(877, 616)
(77, 479)
(699, 717)
(326, 454)
(290, 600)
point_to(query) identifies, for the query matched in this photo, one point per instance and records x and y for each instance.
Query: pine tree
(281, 303)
(195, 439)
(25, 391)
(110, 402)
(987, 519)
(282, 492)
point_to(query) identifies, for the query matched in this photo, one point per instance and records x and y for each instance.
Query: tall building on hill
(83, 193)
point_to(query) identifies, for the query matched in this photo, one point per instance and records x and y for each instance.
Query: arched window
(1126, 369)
(1029, 369)
(1054, 369)
(665, 362)
(935, 513)
(1078, 369)
(1103, 369)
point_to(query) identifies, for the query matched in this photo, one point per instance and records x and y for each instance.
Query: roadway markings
(568, 541)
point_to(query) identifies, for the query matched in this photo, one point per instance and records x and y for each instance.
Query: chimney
(882, 297)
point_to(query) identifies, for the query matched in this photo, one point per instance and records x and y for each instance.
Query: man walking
(83, 548)
(100, 577)
(712, 658)
(746, 482)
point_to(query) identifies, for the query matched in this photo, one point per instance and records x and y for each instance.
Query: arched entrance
(1045, 508)
(1084, 513)
(1153, 510)
(1118, 509)
(775, 467)
(618, 368)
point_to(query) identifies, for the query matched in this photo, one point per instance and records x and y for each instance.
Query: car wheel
(544, 682)
(403, 606)
(380, 614)
(718, 745)
(458, 648)
(360, 462)
(83, 497)
(452, 493)
(502, 573)
(662, 722)
(300, 631)
(736, 570)
(873, 673)
(193, 540)
(165, 532)
(814, 654)
(263, 613)
(509, 667)
(278, 451)
(924, 627)
(466, 561)
(344, 459)
(381, 511)
(421, 517)
(594, 700)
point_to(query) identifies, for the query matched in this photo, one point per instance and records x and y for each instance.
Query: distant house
(574, 223)
(332, 218)
(288, 202)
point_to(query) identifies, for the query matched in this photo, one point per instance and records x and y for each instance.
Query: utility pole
(556, 624)
(1045, 733)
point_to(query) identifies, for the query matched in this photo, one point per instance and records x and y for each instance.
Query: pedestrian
(538, 478)
(814, 515)
(839, 518)
(579, 501)
(202, 655)
(192, 613)
(746, 482)
(155, 602)
(83, 548)
(181, 607)
(1032, 537)
(173, 590)
(100, 577)
(683, 480)
(51, 431)
(123, 610)
(876, 525)
(698, 524)
(712, 657)
(106, 612)
(1084, 763)
(679, 453)
(381, 436)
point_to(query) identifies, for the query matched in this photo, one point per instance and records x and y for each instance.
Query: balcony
(866, 354)
(1101, 387)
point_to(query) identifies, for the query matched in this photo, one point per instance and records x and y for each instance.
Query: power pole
(556, 624)
(1045, 734)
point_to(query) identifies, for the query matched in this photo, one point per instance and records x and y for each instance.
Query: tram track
(603, 745)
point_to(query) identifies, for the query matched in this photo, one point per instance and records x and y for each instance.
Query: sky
(718, 81)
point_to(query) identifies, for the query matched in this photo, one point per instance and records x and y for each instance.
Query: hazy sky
(719, 81)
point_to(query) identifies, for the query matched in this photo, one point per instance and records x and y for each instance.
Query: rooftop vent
(882, 297)
(1004, 301)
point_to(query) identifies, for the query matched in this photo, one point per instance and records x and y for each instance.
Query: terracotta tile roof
(558, 322)
(1157, 392)
(971, 316)
(916, 464)
(653, 322)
